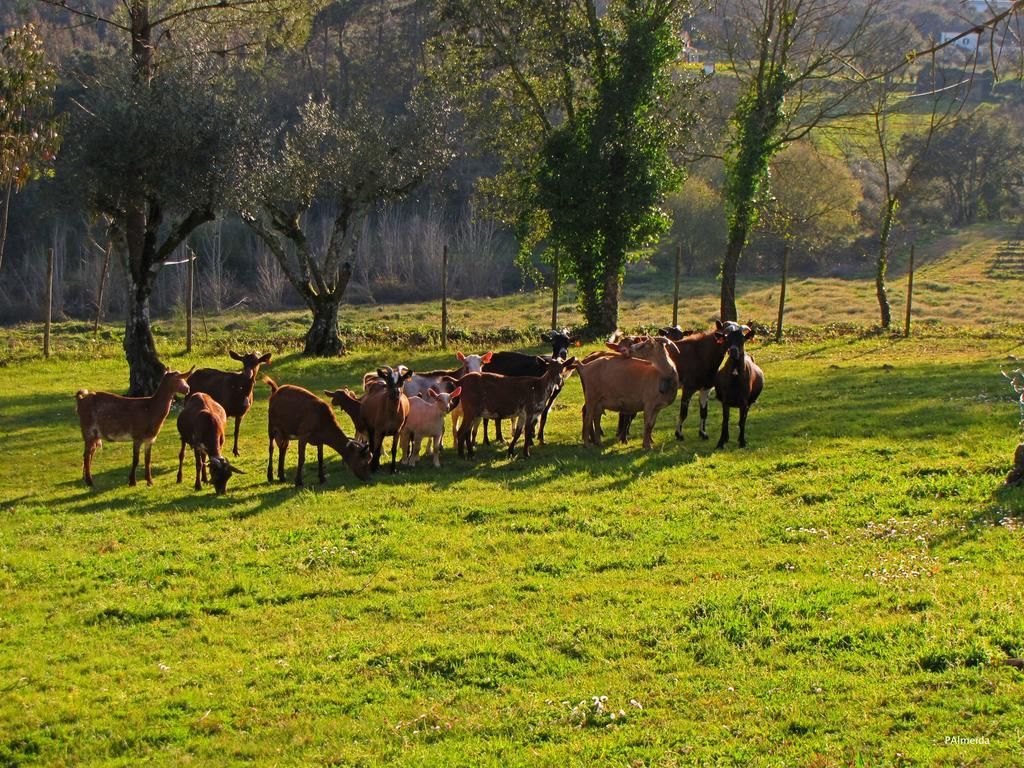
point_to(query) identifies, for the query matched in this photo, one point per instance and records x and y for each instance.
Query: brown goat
(384, 409)
(646, 382)
(294, 412)
(492, 396)
(201, 425)
(346, 399)
(233, 390)
(106, 416)
(739, 382)
(697, 357)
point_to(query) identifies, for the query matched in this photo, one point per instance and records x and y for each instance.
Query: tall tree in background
(29, 133)
(789, 58)
(157, 149)
(585, 124)
(345, 163)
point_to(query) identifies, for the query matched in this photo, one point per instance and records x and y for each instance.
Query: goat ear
(486, 358)
(382, 373)
(234, 355)
(234, 470)
(406, 374)
(265, 359)
(188, 373)
(462, 357)
(719, 325)
(432, 392)
(457, 392)
(546, 336)
(750, 332)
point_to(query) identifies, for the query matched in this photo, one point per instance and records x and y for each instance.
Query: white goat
(426, 421)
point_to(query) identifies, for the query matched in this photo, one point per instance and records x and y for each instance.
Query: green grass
(839, 593)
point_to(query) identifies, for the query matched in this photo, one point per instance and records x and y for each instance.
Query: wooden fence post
(782, 291)
(444, 297)
(554, 293)
(189, 286)
(910, 292)
(49, 302)
(675, 291)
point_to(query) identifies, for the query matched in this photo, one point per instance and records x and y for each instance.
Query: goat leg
(181, 460)
(199, 463)
(270, 460)
(135, 463)
(515, 436)
(149, 463)
(90, 450)
(684, 410)
(394, 452)
(302, 460)
(704, 395)
(282, 449)
(238, 423)
(743, 425)
(320, 462)
(498, 437)
(725, 426)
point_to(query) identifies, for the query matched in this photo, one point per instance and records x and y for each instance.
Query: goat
(520, 364)
(106, 416)
(489, 395)
(698, 357)
(426, 421)
(232, 390)
(740, 381)
(346, 399)
(470, 364)
(384, 409)
(201, 425)
(294, 412)
(560, 342)
(647, 381)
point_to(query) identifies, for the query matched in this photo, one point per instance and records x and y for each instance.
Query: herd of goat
(633, 375)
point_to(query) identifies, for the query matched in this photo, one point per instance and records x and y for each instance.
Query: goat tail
(271, 383)
(82, 393)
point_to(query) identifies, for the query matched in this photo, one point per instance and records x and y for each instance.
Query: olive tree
(29, 132)
(347, 162)
(153, 142)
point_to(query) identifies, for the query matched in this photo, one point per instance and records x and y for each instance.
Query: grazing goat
(106, 416)
(233, 390)
(491, 396)
(296, 413)
(740, 381)
(426, 421)
(646, 382)
(384, 409)
(346, 399)
(201, 425)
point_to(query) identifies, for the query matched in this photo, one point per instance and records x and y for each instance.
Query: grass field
(839, 593)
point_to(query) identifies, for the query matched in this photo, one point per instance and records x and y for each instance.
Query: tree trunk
(882, 266)
(3, 221)
(322, 339)
(144, 367)
(730, 267)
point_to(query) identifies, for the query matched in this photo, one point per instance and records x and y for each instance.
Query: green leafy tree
(29, 132)
(588, 121)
